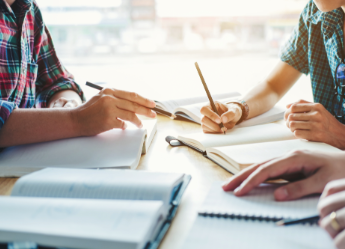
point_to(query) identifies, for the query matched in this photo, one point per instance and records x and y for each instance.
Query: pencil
(312, 219)
(154, 109)
(209, 95)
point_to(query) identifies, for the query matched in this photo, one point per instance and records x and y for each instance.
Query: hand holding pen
(109, 109)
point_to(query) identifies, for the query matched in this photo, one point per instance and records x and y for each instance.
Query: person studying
(40, 101)
(316, 48)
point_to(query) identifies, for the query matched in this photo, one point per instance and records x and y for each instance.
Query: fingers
(134, 107)
(237, 179)
(299, 125)
(60, 103)
(303, 134)
(120, 124)
(209, 126)
(208, 112)
(300, 106)
(129, 116)
(333, 187)
(131, 96)
(325, 223)
(339, 240)
(331, 203)
(279, 167)
(295, 190)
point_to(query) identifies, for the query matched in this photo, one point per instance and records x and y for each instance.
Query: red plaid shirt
(30, 71)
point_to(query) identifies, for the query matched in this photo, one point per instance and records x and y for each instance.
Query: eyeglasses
(338, 104)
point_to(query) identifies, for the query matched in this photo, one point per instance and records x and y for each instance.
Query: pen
(209, 95)
(154, 109)
(312, 219)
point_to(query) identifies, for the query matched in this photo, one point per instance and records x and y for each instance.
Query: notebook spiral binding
(239, 216)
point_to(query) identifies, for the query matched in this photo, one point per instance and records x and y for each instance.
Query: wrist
(244, 110)
(75, 122)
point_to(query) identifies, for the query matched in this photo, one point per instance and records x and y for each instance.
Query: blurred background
(150, 46)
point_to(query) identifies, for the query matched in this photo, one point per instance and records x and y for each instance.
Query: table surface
(163, 158)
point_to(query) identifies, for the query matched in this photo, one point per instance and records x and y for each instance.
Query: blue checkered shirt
(316, 48)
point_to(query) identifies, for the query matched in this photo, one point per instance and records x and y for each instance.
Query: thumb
(299, 189)
(297, 102)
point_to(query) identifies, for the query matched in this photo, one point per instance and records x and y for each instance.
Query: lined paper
(259, 202)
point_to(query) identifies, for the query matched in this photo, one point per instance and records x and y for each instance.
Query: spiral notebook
(259, 204)
(226, 221)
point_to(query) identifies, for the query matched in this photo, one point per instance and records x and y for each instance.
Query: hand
(333, 199)
(229, 116)
(64, 103)
(109, 109)
(311, 121)
(309, 171)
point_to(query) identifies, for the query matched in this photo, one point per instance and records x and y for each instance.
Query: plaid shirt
(316, 48)
(30, 71)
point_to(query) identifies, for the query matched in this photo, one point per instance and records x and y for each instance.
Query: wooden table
(163, 158)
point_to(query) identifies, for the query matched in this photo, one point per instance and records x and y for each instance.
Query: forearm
(265, 95)
(37, 125)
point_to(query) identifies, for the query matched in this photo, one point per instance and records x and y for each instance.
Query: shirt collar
(330, 20)
(24, 5)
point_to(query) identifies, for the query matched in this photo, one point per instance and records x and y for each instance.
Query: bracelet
(244, 108)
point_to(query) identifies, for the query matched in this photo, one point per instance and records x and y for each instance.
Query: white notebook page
(259, 202)
(260, 152)
(114, 148)
(246, 135)
(98, 184)
(223, 233)
(77, 223)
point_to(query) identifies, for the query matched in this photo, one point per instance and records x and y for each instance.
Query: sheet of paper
(223, 233)
(259, 202)
(171, 105)
(79, 223)
(111, 149)
(246, 135)
(260, 152)
(98, 184)
(275, 114)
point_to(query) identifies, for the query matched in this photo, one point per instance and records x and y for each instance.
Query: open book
(112, 149)
(76, 208)
(241, 147)
(248, 222)
(189, 109)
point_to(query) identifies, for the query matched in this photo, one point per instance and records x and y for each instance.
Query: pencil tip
(280, 223)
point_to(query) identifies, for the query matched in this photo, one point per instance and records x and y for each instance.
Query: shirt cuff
(6, 109)
(43, 97)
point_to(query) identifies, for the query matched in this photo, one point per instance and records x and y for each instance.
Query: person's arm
(105, 111)
(309, 171)
(260, 99)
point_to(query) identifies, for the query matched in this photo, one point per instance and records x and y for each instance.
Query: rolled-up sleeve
(6, 109)
(295, 50)
(52, 76)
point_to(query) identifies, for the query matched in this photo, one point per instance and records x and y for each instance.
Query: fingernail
(153, 113)
(225, 119)
(141, 126)
(124, 126)
(237, 189)
(226, 183)
(281, 194)
(218, 120)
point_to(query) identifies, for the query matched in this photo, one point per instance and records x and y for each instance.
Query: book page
(111, 149)
(171, 105)
(79, 223)
(98, 184)
(259, 202)
(260, 152)
(236, 136)
(220, 233)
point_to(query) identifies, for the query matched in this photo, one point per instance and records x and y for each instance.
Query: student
(315, 48)
(31, 75)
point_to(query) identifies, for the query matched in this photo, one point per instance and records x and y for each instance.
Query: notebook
(84, 208)
(189, 109)
(225, 221)
(112, 149)
(241, 147)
